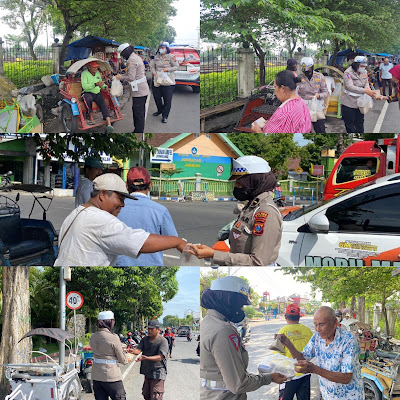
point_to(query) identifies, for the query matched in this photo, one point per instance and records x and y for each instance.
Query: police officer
(107, 353)
(255, 237)
(355, 84)
(312, 84)
(136, 76)
(163, 61)
(223, 359)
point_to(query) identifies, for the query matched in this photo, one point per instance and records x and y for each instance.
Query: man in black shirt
(153, 365)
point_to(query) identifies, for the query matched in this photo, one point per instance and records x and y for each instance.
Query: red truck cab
(362, 162)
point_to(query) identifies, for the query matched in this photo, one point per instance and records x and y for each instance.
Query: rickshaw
(45, 380)
(74, 109)
(26, 241)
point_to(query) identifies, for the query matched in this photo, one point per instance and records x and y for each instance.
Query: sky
(269, 279)
(186, 23)
(188, 297)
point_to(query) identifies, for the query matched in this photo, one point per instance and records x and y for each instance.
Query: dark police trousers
(319, 126)
(353, 119)
(89, 98)
(165, 93)
(106, 390)
(299, 387)
(139, 113)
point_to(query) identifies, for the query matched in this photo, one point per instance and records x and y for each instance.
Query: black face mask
(241, 194)
(309, 73)
(236, 316)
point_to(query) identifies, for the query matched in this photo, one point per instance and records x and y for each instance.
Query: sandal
(91, 122)
(109, 129)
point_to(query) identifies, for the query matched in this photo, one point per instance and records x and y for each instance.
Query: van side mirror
(319, 223)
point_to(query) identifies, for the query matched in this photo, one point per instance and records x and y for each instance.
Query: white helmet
(122, 47)
(232, 284)
(361, 59)
(306, 63)
(106, 315)
(249, 165)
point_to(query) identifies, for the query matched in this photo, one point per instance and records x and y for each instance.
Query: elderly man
(92, 235)
(385, 76)
(336, 352)
(91, 170)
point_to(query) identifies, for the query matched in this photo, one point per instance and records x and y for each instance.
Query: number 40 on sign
(74, 300)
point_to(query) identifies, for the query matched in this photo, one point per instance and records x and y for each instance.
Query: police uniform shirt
(107, 346)
(164, 61)
(223, 361)
(354, 86)
(136, 70)
(255, 237)
(308, 88)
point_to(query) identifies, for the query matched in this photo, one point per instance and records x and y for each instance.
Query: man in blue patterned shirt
(336, 352)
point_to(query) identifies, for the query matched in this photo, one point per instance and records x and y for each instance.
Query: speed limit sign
(74, 300)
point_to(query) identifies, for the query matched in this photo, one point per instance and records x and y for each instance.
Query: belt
(135, 83)
(104, 361)
(213, 385)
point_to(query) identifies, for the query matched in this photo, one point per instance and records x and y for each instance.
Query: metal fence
(24, 67)
(219, 75)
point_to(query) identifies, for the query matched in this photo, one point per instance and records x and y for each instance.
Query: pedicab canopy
(55, 333)
(76, 66)
(82, 48)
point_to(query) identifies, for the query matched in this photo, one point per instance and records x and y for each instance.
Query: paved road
(182, 381)
(262, 334)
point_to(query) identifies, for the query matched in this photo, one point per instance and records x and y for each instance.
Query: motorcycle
(189, 337)
(86, 364)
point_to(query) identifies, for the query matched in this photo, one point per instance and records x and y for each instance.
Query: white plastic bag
(365, 103)
(116, 88)
(163, 79)
(313, 107)
(278, 363)
(28, 105)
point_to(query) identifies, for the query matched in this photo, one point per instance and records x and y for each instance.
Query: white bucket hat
(105, 315)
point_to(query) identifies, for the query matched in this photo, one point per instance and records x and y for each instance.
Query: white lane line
(379, 123)
(147, 106)
(124, 375)
(170, 256)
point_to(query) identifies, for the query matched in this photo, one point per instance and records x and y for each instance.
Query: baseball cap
(292, 309)
(138, 176)
(106, 315)
(112, 182)
(94, 64)
(232, 284)
(93, 162)
(153, 324)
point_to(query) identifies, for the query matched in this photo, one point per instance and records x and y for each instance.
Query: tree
(249, 311)
(171, 321)
(170, 34)
(16, 318)
(30, 15)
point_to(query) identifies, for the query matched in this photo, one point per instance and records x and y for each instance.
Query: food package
(277, 345)
(365, 103)
(28, 105)
(163, 79)
(116, 88)
(313, 108)
(278, 363)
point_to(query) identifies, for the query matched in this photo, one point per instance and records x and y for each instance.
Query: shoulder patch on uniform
(260, 216)
(235, 340)
(258, 229)
(236, 235)
(348, 75)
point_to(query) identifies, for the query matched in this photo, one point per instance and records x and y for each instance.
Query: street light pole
(63, 293)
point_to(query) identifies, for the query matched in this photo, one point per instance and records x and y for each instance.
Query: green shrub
(258, 315)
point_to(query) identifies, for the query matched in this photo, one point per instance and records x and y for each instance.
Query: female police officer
(223, 359)
(107, 353)
(255, 237)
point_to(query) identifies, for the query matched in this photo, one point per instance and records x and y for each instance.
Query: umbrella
(55, 333)
(76, 66)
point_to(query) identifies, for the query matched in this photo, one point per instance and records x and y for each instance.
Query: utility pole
(63, 293)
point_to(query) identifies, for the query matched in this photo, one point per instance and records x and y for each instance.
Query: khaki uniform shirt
(106, 345)
(164, 61)
(308, 88)
(255, 237)
(136, 70)
(354, 86)
(223, 362)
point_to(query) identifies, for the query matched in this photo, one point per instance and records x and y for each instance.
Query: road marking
(124, 375)
(170, 256)
(147, 107)
(379, 123)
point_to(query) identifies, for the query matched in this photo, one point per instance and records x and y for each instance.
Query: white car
(359, 228)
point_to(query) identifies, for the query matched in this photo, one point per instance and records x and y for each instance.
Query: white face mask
(362, 70)
(163, 51)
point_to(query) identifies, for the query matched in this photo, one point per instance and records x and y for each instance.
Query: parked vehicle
(363, 162)
(74, 109)
(48, 380)
(85, 371)
(26, 241)
(358, 228)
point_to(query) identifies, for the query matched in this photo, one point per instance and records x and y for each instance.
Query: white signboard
(74, 300)
(162, 156)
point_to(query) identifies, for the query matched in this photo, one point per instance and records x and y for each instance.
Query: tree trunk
(261, 56)
(352, 306)
(337, 49)
(67, 38)
(361, 308)
(16, 318)
(340, 144)
(384, 313)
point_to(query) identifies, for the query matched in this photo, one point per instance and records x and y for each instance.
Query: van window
(356, 168)
(369, 212)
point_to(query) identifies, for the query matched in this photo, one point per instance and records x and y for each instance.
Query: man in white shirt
(92, 169)
(385, 76)
(91, 235)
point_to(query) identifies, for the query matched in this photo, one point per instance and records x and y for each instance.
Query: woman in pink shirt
(293, 115)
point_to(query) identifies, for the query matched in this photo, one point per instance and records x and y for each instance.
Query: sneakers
(164, 120)
(109, 129)
(156, 114)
